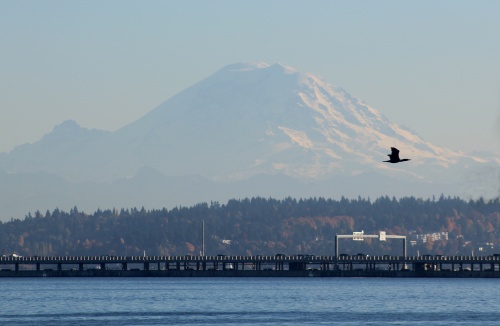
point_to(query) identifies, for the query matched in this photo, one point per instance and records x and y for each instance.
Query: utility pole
(203, 238)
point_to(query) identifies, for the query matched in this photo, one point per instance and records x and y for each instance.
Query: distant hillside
(260, 226)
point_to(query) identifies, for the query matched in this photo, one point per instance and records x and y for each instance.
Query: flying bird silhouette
(394, 156)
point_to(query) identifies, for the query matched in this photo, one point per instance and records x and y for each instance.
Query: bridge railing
(256, 258)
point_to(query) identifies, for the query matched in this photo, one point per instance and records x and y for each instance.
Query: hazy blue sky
(433, 66)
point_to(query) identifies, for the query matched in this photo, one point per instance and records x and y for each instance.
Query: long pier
(252, 266)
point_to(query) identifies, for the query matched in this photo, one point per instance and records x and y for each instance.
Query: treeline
(260, 226)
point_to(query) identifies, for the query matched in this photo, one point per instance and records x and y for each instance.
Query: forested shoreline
(262, 226)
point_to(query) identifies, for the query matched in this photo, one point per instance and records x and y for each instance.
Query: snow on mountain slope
(249, 118)
(250, 129)
(244, 120)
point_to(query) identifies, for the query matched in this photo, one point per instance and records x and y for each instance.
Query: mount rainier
(250, 129)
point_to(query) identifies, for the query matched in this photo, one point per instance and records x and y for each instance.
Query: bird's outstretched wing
(394, 154)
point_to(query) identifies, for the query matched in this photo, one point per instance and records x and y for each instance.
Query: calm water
(255, 301)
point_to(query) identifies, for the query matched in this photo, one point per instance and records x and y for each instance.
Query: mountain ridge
(277, 119)
(244, 121)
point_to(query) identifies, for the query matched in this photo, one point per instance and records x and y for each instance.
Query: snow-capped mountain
(246, 120)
